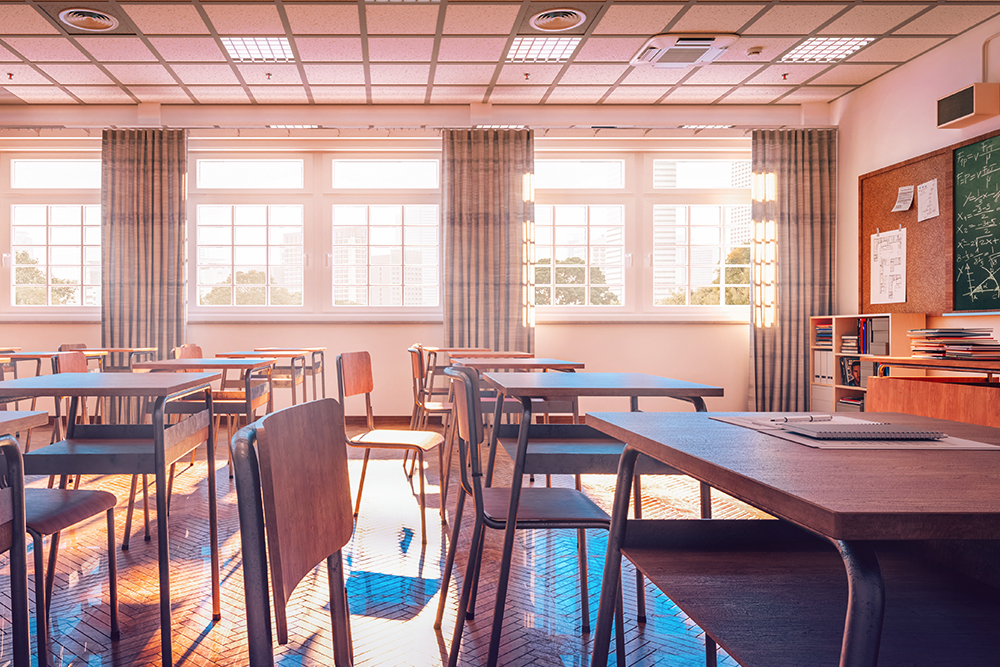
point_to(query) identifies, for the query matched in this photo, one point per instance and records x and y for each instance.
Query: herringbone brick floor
(393, 584)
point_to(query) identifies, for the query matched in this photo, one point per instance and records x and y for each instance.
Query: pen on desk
(805, 418)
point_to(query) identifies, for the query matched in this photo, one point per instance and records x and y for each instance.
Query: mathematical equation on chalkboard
(977, 226)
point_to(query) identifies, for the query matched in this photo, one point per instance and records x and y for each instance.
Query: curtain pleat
(804, 163)
(143, 197)
(485, 302)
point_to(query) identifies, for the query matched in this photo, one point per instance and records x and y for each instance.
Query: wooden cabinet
(838, 376)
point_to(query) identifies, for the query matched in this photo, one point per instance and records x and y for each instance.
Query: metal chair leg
(450, 560)
(41, 604)
(361, 483)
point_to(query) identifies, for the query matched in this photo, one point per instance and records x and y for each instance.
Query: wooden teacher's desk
(131, 449)
(775, 595)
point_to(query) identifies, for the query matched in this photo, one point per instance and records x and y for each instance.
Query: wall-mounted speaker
(969, 105)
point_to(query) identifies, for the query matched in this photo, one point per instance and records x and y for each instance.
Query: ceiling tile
(339, 94)
(40, 94)
(948, 19)
(851, 74)
(220, 95)
(696, 94)
(401, 19)
(324, 19)
(576, 94)
(279, 94)
(517, 94)
(772, 48)
(459, 74)
(775, 74)
(188, 49)
(141, 74)
(23, 75)
(45, 49)
(635, 95)
(480, 19)
(716, 18)
(514, 73)
(398, 94)
(899, 49)
(101, 95)
(7, 57)
(400, 48)
(116, 49)
(329, 49)
(635, 19)
(489, 49)
(69, 74)
(161, 94)
(172, 19)
(609, 49)
(353, 73)
(457, 94)
(245, 19)
(809, 94)
(755, 94)
(793, 19)
(412, 74)
(870, 19)
(281, 74)
(208, 74)
(655, 75)
(24, 20)
(721, 73)
(606, 74)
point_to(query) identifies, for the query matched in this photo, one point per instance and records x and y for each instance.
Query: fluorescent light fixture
(293, 127)
(258, 49)
(500, 127)
(825, 49)
(542, 49)
(706, 127)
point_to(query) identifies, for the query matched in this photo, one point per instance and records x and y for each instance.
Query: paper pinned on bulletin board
(904, 199)
(888, 272)
(927, 201)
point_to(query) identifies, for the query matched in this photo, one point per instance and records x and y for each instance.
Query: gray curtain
(485, 290)
(143, 197)
(802, 203)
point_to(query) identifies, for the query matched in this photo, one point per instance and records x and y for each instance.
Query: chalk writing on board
(889, 267)
(977, 226)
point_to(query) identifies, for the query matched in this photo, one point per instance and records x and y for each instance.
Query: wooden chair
(537, 508)
(354, 377)
(292, 485)
(12, 539)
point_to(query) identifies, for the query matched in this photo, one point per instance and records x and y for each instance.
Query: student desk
(774, 595)
(317, 363)
(295, 372)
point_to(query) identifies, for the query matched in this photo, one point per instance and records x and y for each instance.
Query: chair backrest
(66, 347)
(354, 370)
(187, 351)
(292, 480)
(417, 368)
(69, 362)
(469, 417)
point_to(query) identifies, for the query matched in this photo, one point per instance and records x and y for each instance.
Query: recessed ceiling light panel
(557, 20)
(89, 20)
(825, 49)
(258, 49)
(542, 49)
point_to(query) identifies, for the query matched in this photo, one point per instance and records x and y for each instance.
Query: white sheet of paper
(904, 199)
(888, 271)
(927, 200)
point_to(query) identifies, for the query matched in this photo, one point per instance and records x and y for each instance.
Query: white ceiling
(451, 52)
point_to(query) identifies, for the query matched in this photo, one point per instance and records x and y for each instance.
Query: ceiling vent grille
(676, 51)
(557, 20)
(89, 20)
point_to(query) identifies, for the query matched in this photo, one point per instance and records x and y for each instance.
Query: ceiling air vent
(88, 19)
(557, 20)
(682, 50)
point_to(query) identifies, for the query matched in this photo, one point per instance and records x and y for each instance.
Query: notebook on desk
(861, 431)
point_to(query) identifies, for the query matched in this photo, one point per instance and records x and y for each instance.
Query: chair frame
(12, 513)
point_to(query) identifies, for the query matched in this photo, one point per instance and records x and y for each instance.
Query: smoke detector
(557, 20)
(682, 50)
(89, 20)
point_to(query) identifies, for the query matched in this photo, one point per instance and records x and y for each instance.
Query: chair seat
(384, 437)
(544, 506)
(49, 511)
(437, 406)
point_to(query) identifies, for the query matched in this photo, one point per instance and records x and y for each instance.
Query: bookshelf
(831, 371)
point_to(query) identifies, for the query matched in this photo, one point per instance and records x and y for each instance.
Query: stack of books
(849, 345)
(851, 404)
(873, 335)
(959, 343)
(824, 335)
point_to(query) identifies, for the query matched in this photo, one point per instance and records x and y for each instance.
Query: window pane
(55, 174)
(579, 174)
(694, 174)
(385, 174)
(251, 174)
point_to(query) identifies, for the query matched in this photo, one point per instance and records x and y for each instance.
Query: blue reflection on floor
(384, 595)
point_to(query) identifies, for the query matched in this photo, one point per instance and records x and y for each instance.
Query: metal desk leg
(865, 604)
(163, 547)
(494, 437)
(213, 512)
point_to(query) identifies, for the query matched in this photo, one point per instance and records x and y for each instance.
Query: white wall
(894, 119)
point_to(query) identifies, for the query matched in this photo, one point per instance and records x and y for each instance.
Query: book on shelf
(958, 343)
(850, 371)
(851, 404)
(824, 335)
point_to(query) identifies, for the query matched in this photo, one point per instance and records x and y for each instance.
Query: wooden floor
(393, 584)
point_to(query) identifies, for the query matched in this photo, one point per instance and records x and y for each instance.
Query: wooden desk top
(240, 364)
(449, 350)
(843, 494)
(21, 356)
(258, 354)
(486, 354)
(542, 385)
(938, 364)
(289, 349)
(517, 363)
(12, 421)
(120, 350)
(105, 384)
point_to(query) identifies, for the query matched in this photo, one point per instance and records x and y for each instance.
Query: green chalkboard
(977, 225)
